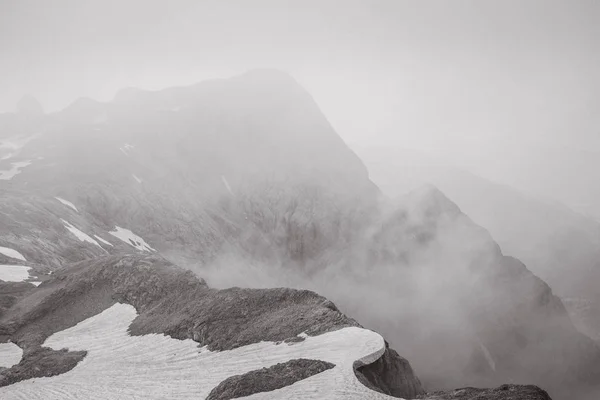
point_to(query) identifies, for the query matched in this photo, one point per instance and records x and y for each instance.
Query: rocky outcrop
(268, 379)
(391, 374)
(175, 302)
(504, 392)
(41, 362)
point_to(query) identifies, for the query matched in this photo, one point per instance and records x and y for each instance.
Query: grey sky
(447, 76)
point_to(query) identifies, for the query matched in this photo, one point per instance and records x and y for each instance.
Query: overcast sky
(448, 74)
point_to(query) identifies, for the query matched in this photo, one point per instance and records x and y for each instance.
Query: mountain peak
(29, 106)
(432, 201)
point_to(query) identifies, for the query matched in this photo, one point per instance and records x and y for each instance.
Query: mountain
(244, 182)
(557, 244)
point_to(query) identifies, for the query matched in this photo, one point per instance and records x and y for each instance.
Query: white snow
(131, 239)
(35, 283)
(136, 178)
(14, 273)
(119, 366)
(10, 354)
(12, 253)
(106, 242)
(14, 170)
(10, 147)
(80, 235)
(488, 356)
(125, 148)
(226, 184)
(67, 203)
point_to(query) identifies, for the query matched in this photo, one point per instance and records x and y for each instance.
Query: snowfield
(15, 169)
(119, 366)
(106, 242)
(131, 239)
(80, 235)
(12, 253)
(125, 148)
(14, 273)
(10, 354)
(67, 203)
(226, 184)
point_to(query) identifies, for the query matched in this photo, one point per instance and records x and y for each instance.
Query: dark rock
(391, 374)
(504, 392)
(41, 362)
(268, 379)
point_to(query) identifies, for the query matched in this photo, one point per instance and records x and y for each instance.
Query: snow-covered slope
(10, 354)
(8, 252)
(131, 238)
(13, 273)
(120, 366)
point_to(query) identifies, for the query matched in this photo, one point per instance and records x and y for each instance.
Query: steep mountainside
(244, 182)
(557, 244)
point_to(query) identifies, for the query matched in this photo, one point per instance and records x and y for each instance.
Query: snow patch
(226, 184)
(10, 354)
(103, 241)
(126, 148)
(488, 357)
(136, 178)
(120, 366)
(35, 283)
(14, 170)
(14, 273)
(12, 253)
(131, 239)
(80, 235)
(67, 203)
(10, 147)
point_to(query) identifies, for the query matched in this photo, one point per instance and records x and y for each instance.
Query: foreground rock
(267, 379)
(504, 392)
(174, 302)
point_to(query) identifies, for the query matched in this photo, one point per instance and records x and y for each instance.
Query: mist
(496, 103)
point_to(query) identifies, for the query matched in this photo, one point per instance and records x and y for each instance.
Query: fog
(507, 92)
(497, 87)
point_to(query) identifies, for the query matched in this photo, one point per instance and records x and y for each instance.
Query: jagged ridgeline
(244, 182)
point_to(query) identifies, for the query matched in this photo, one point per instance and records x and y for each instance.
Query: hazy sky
(448, 74)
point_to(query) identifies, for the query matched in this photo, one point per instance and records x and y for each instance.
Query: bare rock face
(39, 363)
(392, 375)
(504, 392)
(268, 379)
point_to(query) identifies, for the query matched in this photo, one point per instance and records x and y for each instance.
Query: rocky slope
(244, 182)
(172, 301)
